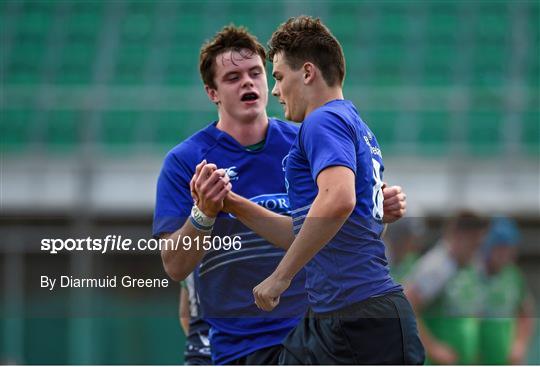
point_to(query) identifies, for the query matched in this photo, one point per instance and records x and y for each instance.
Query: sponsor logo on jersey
(232, 173)
(278, 203)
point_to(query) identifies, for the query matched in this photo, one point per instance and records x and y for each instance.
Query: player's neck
(321, 96)
(246, 133)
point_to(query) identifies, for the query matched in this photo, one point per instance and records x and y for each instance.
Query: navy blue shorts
(262, 357)
(379, 330)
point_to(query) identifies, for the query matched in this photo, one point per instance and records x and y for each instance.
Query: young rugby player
(358, 314)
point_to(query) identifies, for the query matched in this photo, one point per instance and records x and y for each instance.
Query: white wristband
(201, 220)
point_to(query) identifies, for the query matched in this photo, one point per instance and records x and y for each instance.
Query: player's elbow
(341, 205)
(348, 205)
(175, 274)
(173, 269)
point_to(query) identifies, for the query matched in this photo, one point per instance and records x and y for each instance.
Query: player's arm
(179, 262)
(334, 203)
(438, 351)
(524, 331)
(183, 310)
(214, 185)
(278, 229)
(275, 228)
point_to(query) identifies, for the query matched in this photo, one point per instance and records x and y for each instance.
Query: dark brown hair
(303, 39)
(466, 221)
(230, 38)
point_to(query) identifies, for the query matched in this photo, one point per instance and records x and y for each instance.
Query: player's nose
(247, 82)
(275, 91)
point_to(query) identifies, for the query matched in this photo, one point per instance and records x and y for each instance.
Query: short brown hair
(304, 39)
(467, 221)
(230, 38)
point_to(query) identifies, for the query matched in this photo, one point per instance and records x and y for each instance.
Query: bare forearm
(334, 203)
(525, 323)
(322, 223)
(184, 323)
(179, 263)
(313, 236)
(426, 337)
(525, 327)
(276, 229)
(415, 300)
(184, 310)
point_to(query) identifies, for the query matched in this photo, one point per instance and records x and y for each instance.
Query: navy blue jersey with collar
(225, 279)
(352, 266)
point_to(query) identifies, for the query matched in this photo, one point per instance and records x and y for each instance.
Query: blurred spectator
(507, 324)
(443, 290)
(405, 242)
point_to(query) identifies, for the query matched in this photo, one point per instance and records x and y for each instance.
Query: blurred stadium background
(94, 93)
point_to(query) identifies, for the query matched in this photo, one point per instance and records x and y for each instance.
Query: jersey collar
(230, 143)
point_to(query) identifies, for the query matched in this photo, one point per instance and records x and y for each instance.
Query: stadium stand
(450, 48)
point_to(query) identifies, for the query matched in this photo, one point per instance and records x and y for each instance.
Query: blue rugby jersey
(352, 266)
(225, 279)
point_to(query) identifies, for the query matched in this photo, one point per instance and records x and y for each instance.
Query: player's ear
(309, 71)
(212, 94)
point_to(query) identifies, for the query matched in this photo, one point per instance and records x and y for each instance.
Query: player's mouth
(250, 97)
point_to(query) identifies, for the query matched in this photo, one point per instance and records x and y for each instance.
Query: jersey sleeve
(328, 141)
(432, 273)
(173, 196)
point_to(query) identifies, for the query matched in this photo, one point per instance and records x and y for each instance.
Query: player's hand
(517, 353)
(268, 292)
(441, 353)
(394, 204)
(198, 169)
(210, 186)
